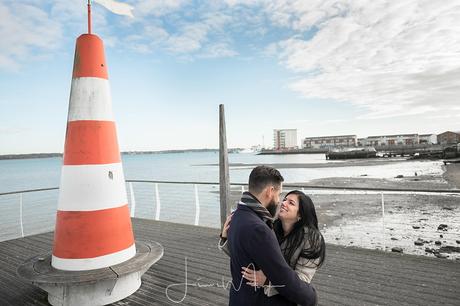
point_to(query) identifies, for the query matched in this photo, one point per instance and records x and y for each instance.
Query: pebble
(449, 249)
(393, 238)
(428, 250)
(442, 227)
(458, 241)
(397, 249)
(441, 236)
(415, 226)
(441, 255)
(419, 242)
(399, 176)
(437, 242)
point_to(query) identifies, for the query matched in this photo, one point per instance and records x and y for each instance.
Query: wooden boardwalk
(350, 276)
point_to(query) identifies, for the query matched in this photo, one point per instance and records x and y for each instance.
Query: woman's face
(289, 210)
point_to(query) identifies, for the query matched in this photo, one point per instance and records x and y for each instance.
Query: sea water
(22, 174)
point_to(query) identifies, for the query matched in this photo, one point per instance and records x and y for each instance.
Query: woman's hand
(256, 278)
(226, 226)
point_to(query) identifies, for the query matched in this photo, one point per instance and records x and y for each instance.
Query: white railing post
(157, 199)
(242, 189)
(20, 215)
(133, 200)
(383, 222)
(197, 206)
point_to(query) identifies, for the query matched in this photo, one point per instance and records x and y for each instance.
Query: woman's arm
(223, 246)
(306, 268)
(304, 271)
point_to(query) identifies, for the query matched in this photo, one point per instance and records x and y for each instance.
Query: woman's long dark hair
(315, 248)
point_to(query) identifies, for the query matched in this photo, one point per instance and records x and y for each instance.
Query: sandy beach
(330, 164)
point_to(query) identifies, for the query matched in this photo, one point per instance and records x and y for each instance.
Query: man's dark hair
(262, 176)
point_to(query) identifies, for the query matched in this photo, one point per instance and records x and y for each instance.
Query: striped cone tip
(89, 58)
(93, 225)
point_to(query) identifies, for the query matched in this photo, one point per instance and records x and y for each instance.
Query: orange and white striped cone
(93, 225)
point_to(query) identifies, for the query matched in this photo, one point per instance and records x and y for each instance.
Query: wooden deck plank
(350, 276)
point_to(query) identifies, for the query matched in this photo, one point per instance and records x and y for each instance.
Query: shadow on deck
(350, 276)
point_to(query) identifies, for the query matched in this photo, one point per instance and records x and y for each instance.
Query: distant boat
(350, 153)
(252, 150)
(247, 151)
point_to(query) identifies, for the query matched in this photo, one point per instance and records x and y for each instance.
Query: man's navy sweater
(252, 242)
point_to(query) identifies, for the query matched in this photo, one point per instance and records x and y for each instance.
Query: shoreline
(331, 164)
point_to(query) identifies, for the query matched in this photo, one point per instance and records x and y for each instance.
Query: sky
(323, 67)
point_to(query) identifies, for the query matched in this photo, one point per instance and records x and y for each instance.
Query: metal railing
(375, 213)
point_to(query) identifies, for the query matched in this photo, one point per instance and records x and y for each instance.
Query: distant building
(329, 142)
(285, 139)
(449, 137)
(392, 140)
(362, 142)
(428, 139)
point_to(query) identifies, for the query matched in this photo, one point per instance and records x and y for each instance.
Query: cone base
(100, 293)
(92, 287)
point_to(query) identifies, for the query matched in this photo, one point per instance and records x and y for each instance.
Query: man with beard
(252, 243)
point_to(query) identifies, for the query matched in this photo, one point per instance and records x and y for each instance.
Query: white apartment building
(285, 139)
(391, 140)
(329, 142)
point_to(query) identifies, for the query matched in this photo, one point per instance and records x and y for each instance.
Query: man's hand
(256, 278)
(226, 226)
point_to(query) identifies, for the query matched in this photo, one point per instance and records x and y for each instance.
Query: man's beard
(272, 207)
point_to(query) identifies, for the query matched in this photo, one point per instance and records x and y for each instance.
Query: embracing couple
(272, 260)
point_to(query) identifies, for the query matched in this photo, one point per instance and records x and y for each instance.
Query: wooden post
(224, 178)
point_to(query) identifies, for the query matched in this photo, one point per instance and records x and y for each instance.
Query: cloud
(386, 58)
(390, 58)
(219, 50)
(24, 29)
(158, 8)
(199, 36)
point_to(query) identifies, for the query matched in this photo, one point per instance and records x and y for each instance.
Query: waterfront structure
(428, 139)
(329, 142)
(392, 140)
(449, 137)
(285, 139)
